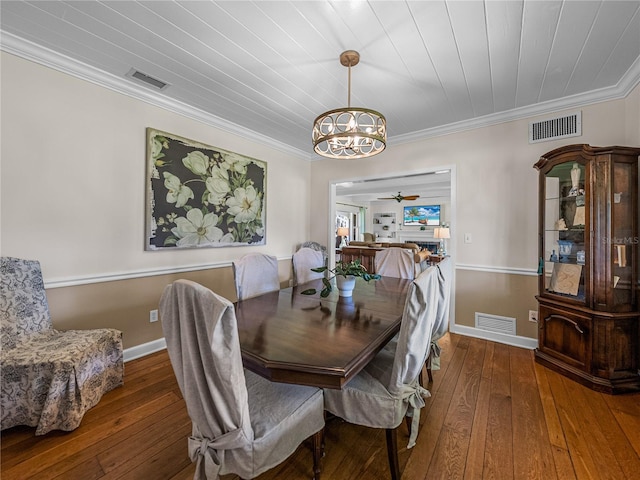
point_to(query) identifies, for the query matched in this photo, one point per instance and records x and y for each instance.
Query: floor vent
(495, 323)
(143, 77)
(555, 128)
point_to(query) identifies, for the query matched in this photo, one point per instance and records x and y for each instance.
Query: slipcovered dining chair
(395, 262)
(50, 378)
(303, 261)
(255, 274)
(441, 324)
(387, 389)
(241, 422)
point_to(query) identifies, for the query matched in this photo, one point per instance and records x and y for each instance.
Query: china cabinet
(589, 312)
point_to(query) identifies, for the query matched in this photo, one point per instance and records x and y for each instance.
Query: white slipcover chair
(242, 423)
(303, 261)
(255, 274)
(395, 262)
(50, 378)
(387, 389)
(441, 325)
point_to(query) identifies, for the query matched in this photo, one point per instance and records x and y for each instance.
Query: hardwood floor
(493, 413)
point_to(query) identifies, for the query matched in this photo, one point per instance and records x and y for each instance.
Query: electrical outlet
(153, 316)
(533, 315)
(467, 238)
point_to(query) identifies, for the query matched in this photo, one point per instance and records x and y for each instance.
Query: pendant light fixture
(350, 132)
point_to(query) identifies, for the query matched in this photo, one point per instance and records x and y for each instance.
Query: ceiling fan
(398, 198)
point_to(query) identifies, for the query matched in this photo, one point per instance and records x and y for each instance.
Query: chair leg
(428, 365)
(318, 448)
(392, 452)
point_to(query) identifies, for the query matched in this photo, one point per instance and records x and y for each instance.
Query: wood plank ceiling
(270, 67)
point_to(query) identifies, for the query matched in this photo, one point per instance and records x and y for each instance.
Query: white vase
(345, 285)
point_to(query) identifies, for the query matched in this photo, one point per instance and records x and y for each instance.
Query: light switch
(467, 238)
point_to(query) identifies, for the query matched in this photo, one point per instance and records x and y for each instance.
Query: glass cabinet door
(564, 245)
(622, 241)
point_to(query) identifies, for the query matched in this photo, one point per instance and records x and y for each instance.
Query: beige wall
(125, 304)
(495, 191)
(73, 197)
(502, 294)
(73, 188)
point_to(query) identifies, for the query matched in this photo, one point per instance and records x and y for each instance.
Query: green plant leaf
(309, 291)
(319, 269)
(325, 292)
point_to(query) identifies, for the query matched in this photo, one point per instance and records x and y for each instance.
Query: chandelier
(350, 132)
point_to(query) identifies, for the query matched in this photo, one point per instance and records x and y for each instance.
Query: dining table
(287, 336)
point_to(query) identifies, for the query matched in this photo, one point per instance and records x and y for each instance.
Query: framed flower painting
(202, 196)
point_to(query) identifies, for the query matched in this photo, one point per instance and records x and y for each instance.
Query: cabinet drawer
(566, 335)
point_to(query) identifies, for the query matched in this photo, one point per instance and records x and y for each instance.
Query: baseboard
(514, 340)
(144, 349)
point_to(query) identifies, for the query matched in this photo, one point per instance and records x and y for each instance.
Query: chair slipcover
(387, 389)
(242, 423)
(255, 274)
(395, 262)
(50, 378)
(303, 261)
(441, 325)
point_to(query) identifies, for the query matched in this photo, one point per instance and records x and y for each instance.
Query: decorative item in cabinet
(384, 225)
(589, 310)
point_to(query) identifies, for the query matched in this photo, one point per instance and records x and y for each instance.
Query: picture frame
(202, 196)
(419, 215)
(565, 278)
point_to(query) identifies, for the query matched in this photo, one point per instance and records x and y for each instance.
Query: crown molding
(38, 54)
(616, 92)
(30, 51)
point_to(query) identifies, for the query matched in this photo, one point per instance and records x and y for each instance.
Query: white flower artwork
(202, 196)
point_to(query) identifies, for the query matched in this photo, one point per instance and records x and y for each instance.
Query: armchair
(50, 378)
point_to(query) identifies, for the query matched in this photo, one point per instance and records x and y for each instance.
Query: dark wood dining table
(289, 337)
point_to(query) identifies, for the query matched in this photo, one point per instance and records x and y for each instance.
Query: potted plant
(345, 274)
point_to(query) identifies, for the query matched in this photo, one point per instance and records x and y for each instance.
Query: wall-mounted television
(421, 215)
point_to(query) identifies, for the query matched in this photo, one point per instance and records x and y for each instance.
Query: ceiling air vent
(555, 128)
(143, 77)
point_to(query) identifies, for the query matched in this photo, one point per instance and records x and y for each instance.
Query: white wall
(73, 178)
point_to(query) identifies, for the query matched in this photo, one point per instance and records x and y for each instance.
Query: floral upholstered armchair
(50, 378)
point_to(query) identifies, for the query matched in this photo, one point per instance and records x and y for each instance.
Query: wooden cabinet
(589, 312)
(367, 256)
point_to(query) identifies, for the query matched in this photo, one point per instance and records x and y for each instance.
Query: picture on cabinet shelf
(202, 196)
(565, 278)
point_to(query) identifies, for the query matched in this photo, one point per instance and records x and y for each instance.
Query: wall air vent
(150, 81)
(495, 323)
(555, 128)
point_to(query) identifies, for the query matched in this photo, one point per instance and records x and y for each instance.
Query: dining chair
(395, 262)
(241, 423)
(50, 377)
(255, 274)
(387, 389)
(303, 261)
(441, 324)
